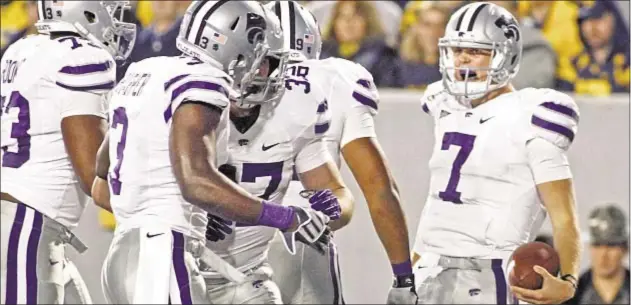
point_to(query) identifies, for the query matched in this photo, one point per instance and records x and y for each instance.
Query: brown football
(528, 255)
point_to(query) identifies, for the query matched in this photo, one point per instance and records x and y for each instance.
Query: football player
(269, 143)
(168, 120)
(499, 165)
(53, 121)
(310, 277)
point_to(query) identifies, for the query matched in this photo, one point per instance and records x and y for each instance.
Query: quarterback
(498, 166)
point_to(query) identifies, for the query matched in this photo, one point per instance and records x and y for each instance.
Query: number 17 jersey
(483, 199)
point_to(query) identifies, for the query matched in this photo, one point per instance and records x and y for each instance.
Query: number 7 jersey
(483, 199)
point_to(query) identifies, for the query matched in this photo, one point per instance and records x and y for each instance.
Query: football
(528, 255)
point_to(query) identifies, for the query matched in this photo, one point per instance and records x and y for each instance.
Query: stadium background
(600, 154)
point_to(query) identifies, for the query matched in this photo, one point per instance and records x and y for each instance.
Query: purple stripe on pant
(500, 281)
(334, 277)
(31, 256)
(181, 273)
(12, 257)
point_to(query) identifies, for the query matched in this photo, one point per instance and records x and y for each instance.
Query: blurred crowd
(575, 46)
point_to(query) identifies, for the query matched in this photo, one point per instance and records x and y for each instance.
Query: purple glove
(326, 202)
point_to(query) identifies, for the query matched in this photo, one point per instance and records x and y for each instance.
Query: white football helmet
(480, 25)
(101, 22)
(302, 33)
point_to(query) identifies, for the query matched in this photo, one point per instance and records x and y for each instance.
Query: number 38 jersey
(142, 184)
(45, 80)
(287, 134)
(483, 199)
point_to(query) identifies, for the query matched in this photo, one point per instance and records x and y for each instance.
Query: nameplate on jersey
(132, 84)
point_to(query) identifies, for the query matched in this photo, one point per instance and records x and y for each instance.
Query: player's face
(607, 260)
(471, 58)
(264, 70)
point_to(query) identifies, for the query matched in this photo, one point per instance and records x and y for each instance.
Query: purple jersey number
(465, 142)
(251, 171)
(119, 117)
(19, 131)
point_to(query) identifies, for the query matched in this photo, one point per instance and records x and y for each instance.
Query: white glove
(312, 230)
(403, 291)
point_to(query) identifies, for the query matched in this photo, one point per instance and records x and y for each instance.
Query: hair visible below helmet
(237, 36)
(302, 33)
(101, 22)
(481, 25)
(608, 226)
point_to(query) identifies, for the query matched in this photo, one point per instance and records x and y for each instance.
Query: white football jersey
(43, 81)
(142, 184)
(352, 97)
(353, 101)
(483, 199)
(287, 134)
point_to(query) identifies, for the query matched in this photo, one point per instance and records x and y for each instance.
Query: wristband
(404, 268)
(570, 279)
(276, 216)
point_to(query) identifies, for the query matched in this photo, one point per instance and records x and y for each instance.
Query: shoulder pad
(87, 68)
(433, 95)
(364, 90)
(554, 117)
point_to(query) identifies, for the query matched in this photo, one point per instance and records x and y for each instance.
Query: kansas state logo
(509, 26)
(255, 27)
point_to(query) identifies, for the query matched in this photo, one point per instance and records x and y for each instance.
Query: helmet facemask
(496, 75)
(122, 36)
(255, 88)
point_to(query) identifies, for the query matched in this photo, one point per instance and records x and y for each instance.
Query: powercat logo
(509, 26)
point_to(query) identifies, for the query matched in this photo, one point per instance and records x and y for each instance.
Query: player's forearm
(389, 222)
(558, 197)
(567, 242)
(347, 202)
(218, 195)
(101, 194)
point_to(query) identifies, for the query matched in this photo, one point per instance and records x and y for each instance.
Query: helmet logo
(509, 26)
(255, 28)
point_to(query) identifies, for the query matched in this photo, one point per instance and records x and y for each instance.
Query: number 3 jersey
(287, 134)
(483, 200)
(143, 187)
(45, 80)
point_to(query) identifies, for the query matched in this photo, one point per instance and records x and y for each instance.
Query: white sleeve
(83, 103)
(548, 162)
(358, 123)
(312, 155)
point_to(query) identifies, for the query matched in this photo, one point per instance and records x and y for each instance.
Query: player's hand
(554, 290)
(311, 229)
(324, 201)
(403, 291)
(217, 228)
